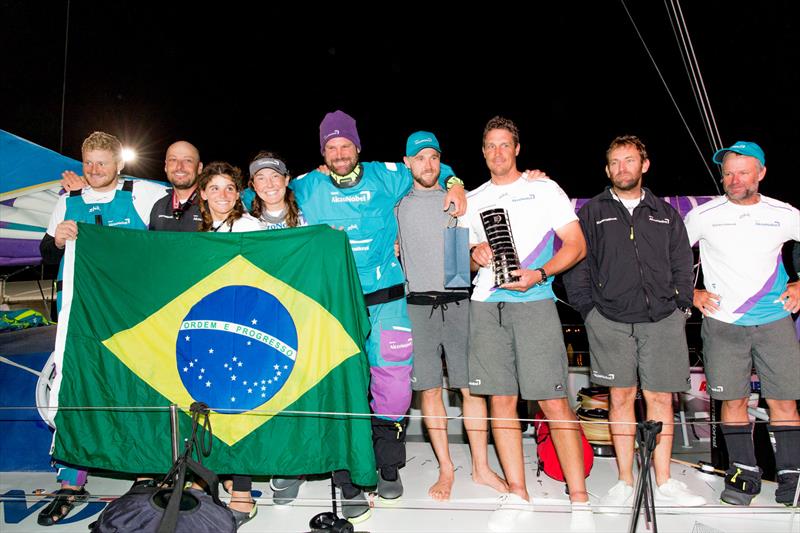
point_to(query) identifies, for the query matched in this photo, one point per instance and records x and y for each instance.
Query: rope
(671, 97)
(346, 414)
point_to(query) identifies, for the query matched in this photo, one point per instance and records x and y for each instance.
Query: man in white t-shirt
(515, 343)
(746, 305)
(108, 201)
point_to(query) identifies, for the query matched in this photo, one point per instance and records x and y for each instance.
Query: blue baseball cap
(420, 140)
(741, 147)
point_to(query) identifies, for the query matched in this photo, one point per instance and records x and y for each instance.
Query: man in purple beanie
(360, 198)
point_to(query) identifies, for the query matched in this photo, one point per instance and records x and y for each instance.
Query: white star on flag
(233, 377)
(211, 350)
(208, 383)
(254, 321)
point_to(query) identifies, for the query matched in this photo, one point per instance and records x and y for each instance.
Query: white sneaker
(618, 499)
(511, 508)
(675, 492)
(581, 519)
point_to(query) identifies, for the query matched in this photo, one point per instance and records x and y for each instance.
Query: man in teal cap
(747, 304)
(439, 317)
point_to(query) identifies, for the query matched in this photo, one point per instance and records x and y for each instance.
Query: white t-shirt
(536, 209)
(144, 195)
(240, 225)
(740, 250)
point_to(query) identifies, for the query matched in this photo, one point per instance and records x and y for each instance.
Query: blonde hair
(100, 140)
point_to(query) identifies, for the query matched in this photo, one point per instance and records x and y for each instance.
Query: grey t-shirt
(421, 223)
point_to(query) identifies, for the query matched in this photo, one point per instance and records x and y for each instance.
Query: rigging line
(672, 98)
(698, 88)
(677, 31)
(700, 76)
(64, 83)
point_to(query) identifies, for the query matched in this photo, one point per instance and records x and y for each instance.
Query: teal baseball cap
(420, 140)
(741, 147)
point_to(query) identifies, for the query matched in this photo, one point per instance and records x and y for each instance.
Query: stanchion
(173, 427)
(646, 433)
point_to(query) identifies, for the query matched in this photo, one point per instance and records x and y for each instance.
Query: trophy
(498, 234)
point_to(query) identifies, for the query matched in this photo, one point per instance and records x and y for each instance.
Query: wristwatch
(544, 276)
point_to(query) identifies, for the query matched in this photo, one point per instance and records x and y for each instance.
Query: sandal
(65, 500)
(243, 517)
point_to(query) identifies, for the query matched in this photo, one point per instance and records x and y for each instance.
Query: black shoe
(787, 486)
(243, 517)
(65, 501)
(390, 489)
(742, 484)
(144, 484)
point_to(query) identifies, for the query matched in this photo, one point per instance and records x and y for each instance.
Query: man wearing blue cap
(746, 306)
(360, 199)
(439, 317)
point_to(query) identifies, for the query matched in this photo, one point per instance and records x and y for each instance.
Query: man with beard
(109, 201)
(178, 210)
(746, 307)
(634, 291)
(516, 345)
(359, 198)
(439, 317)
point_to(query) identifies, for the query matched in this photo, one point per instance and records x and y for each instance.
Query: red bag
(546, 451)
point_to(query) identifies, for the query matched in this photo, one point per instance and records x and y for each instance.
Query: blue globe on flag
(236, 348)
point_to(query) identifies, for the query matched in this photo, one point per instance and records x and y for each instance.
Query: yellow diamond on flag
(149, 349)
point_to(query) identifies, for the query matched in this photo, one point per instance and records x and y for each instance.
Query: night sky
(233, 80)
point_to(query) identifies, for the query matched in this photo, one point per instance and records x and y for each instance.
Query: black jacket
(637, 269)
(164, 218)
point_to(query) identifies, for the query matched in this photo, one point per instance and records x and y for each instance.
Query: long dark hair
(257, 208)
(220, 168)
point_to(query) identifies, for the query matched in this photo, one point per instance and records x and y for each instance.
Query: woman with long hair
(220, 186)
(274, 204)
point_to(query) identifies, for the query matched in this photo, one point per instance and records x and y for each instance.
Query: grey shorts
(656, 352)
(438, 331)
(731, 351)
(518, 349)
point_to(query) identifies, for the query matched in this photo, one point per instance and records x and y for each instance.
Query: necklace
(273, 219)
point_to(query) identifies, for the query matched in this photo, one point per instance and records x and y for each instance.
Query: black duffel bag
(172, 509)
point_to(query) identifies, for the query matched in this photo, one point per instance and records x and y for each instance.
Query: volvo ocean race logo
(236, 348)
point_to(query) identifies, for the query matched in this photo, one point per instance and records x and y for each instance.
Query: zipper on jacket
(641, 272)
(636, 253)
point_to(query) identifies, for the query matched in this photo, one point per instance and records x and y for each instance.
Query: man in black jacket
(632, 290)
(179, 210)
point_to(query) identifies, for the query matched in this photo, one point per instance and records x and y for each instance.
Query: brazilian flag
(267, 328)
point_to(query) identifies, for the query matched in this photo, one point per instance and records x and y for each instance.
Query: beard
(350, 165)
(427, 181)
(623, 184)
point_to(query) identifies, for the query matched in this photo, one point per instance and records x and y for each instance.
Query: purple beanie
(338, 124)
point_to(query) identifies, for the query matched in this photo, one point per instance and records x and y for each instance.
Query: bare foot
(489, 478)
(440, 491)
